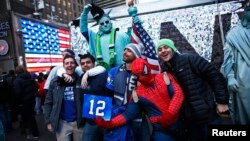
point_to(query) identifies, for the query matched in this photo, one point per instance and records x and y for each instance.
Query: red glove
(167, 119)
(104, 124)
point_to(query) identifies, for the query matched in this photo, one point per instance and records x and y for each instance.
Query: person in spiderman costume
(159, 96)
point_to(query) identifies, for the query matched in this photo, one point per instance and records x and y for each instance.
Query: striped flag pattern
(42, 45)
(141, 37)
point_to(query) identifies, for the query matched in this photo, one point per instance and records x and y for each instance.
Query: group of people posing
(178, 104)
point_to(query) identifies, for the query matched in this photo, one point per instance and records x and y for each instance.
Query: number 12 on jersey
(97, 106)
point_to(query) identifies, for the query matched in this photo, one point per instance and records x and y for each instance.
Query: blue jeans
(38, 107)
(92, 132)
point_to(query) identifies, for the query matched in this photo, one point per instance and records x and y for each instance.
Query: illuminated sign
(42, 45)
(4, 26)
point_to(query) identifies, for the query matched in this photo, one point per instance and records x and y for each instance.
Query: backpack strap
(166, 78)
(135, 96)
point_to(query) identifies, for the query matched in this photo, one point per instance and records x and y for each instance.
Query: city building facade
(61, 11)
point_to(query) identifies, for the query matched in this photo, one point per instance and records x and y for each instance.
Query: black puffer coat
(25, 88)
(203, 86)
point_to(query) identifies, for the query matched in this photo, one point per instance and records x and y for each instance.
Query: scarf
(111, 50)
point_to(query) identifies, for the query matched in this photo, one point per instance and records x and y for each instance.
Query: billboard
(43, 44)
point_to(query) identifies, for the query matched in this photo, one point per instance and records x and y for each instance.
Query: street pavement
(45, 135)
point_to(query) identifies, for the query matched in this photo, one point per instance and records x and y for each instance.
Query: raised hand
(87, 8)
(132, 11)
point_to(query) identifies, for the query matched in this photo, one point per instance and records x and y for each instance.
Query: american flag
(141, 37)
(42, 45)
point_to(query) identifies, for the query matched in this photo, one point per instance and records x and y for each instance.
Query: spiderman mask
(141, 69)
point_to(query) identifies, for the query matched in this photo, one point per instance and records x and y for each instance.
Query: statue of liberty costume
(107, 45)
(236, 68)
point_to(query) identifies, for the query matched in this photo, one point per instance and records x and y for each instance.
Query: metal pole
(34, 1)
(220, 22)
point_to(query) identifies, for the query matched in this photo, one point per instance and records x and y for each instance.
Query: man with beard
(122, 83)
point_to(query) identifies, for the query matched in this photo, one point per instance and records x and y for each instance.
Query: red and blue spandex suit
(154, 99)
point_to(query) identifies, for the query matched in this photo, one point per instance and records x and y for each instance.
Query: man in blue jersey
(122, 83)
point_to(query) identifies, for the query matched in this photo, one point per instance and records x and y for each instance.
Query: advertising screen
(43, 45)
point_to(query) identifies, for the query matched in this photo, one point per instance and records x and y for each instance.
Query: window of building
(64, 3)
(80, 9)
(65, 12)
(59, 10)
(69, 4)
(53, 8)
(47, 6)
(58, 1)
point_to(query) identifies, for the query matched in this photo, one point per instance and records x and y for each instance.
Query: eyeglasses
(106, 22)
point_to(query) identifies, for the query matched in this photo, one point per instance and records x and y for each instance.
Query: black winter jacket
(203, 86)
(25, 88)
